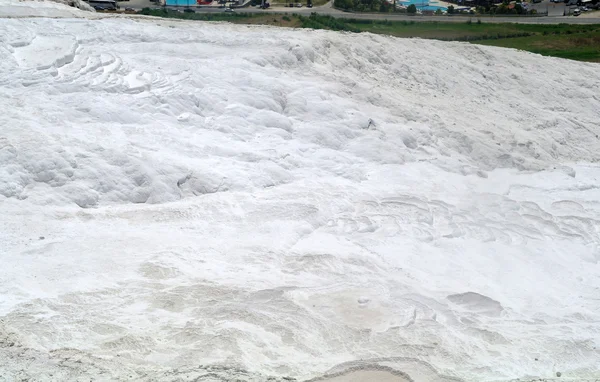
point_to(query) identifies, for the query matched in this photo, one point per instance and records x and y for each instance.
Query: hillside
(205, 200)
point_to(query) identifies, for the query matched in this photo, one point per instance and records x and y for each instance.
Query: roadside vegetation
(365, 5)
(505, 7)
(576, 42)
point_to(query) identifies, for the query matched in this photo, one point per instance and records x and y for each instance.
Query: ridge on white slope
(216, 202)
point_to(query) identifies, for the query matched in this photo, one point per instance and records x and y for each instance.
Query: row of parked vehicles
(568, 2)
(299, 5)
(577, 11)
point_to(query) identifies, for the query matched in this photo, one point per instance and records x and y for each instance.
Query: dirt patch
(368, 375)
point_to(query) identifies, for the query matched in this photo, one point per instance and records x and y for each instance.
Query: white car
(228, 9)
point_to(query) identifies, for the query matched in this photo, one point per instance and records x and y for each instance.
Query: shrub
(451, 9)
(411, 9)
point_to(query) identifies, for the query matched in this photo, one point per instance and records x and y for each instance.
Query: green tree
(411, 9)
(344, 4)
(438, 12)
(451, 9)
(385, 6)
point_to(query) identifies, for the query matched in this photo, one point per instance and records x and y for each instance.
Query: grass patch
(581, 46)
(576, 42)
(326, 22)
(220, 16)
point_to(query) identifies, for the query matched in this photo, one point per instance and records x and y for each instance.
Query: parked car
(308, 5)
(98, 8)
(298, 5)
(228, 9)
(576, 12)
(128, 9)
(189, 10)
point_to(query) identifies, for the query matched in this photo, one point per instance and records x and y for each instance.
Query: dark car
(98, 8)
(129, 9)
(189, 10)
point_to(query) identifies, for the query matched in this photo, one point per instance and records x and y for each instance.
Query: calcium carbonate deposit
(215, 202)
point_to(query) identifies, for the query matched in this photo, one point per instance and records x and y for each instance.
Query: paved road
(327, 9)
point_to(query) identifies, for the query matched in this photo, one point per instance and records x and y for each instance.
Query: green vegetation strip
(217, 16)
(576, 42)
